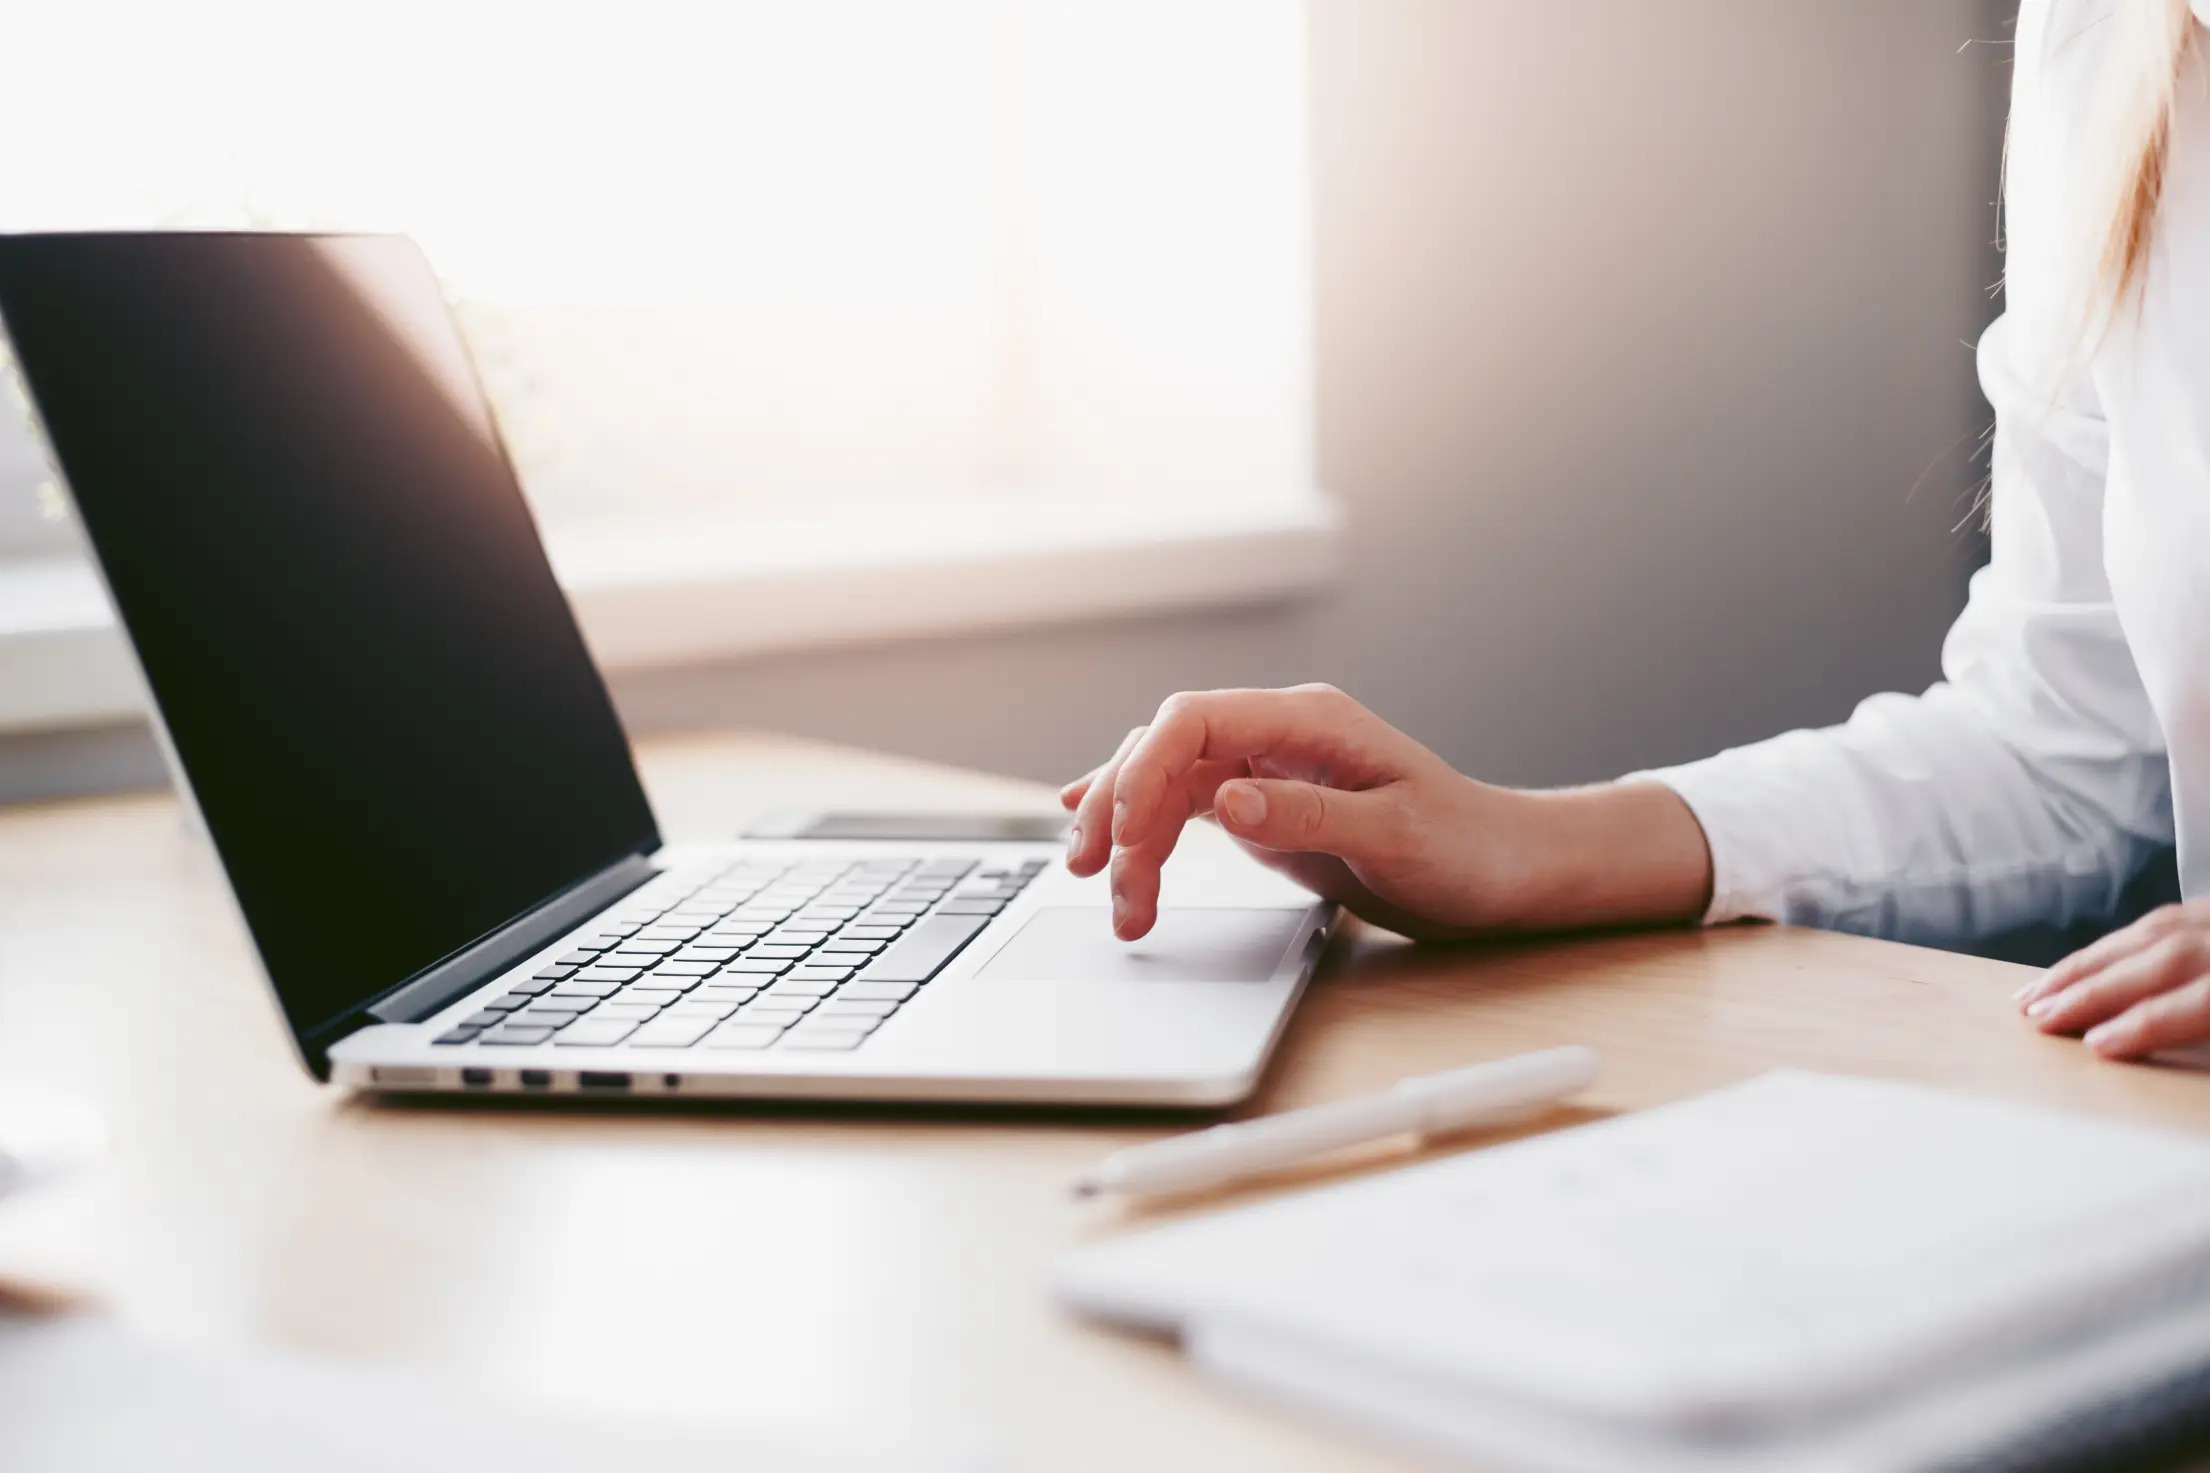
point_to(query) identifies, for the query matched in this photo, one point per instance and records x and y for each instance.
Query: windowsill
(688, 593)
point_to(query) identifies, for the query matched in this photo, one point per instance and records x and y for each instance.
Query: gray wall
(1642, 378)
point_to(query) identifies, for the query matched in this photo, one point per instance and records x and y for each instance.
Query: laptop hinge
(464, 971)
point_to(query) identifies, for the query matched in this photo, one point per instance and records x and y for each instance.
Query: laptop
(374, 693)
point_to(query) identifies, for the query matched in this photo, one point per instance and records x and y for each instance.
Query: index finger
(1221, 726)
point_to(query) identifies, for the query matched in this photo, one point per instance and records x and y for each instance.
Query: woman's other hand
(2137, 991)
(1320, 788)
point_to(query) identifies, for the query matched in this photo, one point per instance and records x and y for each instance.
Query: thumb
(1276, 813)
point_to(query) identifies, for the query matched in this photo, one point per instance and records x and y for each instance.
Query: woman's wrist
(1616, 854)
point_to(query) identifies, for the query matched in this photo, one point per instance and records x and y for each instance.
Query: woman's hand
(1320, 788)
(2137, 991)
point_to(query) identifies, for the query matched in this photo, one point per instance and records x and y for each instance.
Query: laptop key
(743, 1034)
(517, 1035)
(922, 952)
(531, 987)
(701, 968)
(761, 966)
(861, 1017)
(849, 946)
(824, 1040)
(662, 981)
(461, 1034)
(652, 939)
(634, 1012)
(818, 970)
(560, 971)
(581, 988)
(776, 953)
(796, 1002)
(580, 958)
(595, 1032)
(693, 1008)
(671, 1030)
(970, 907)
(841, 1008)
(657, 996)
(716, 954)
(612, 974)
(561, 1002)
(874, 992)
(869, 933)
(606, 936)
(796, 987)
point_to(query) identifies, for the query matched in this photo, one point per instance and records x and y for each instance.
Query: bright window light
(742, 258)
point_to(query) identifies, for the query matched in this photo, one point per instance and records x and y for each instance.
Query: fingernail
(1244, 804)
(2042, 1009)
(1074, 841)
(1120, 912)
(2025, 988)
(2106, 1037)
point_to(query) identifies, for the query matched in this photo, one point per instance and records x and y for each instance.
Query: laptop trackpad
(1075, 943)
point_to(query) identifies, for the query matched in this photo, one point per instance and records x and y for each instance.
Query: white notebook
(1799, 1271)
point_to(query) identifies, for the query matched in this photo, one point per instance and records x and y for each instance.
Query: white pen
(1459, 1099)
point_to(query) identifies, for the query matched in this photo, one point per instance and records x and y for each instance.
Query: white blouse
(2069, 742)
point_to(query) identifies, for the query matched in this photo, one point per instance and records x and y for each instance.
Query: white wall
(1642, 375)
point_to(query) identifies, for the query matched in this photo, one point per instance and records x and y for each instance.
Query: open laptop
(375, 694)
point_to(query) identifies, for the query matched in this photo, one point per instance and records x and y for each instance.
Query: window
(745, 279)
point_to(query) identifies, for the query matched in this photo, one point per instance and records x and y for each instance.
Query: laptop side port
(476, 1078)
(537, 1079)
(401, 1076)
(601, 1079)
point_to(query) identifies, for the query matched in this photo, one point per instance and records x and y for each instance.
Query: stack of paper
(1800, 1272)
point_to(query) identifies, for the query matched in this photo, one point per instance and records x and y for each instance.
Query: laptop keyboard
(799, 955)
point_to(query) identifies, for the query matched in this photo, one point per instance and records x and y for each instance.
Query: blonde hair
(2148, 49)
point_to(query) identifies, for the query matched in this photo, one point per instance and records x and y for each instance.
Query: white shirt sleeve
(2029, 785)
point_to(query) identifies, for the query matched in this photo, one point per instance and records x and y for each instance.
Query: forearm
(1618, 854)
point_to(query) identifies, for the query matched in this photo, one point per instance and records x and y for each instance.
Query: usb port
(537, 1079)
(476, 1078)
(602, 1079)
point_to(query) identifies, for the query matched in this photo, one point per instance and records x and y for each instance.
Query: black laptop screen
(377, 690)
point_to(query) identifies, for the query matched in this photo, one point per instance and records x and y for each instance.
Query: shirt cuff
(1745, 882)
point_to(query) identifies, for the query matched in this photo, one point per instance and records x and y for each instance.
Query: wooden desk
(872, 1281)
